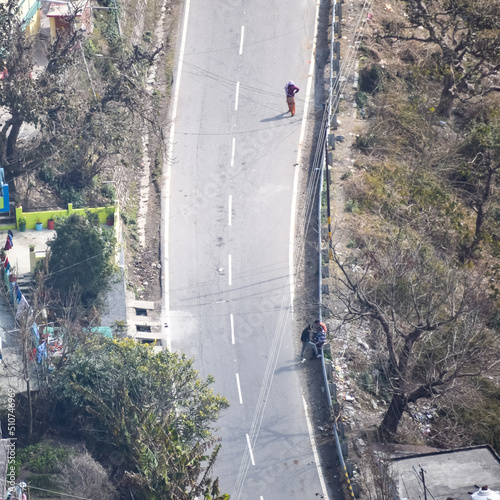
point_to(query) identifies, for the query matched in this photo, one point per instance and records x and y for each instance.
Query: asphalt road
(231, 178)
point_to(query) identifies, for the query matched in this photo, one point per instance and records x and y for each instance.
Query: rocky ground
(143, 257)
(362, 404)
(349, 124)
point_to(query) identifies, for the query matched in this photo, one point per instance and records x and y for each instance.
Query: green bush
(108, 27)
(47, 174)
(44, 482)
(365, 382)
(361, 99)
(91, 47)
(71, 195)
(371, 78)
(365, 142)
(352, 206)
(42, 457)
(108, 191)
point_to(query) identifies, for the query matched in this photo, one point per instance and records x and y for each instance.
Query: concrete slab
(448, 474)
(11, 365)
(143, 304)
(144, 320)
(147, 336)
(19, 254)
(115, 306)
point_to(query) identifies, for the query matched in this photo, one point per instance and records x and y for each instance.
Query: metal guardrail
(324, 141)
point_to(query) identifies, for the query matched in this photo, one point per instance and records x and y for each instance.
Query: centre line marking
(239, 388)
(236, 97)
(230, 209)
(231, 319)
(241, 41)
(261, 498)
(232, 151)
(229, 272)
(250, 450)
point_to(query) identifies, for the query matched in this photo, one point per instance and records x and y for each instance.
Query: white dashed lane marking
(241, 40)
(231, 319)
(237, 95)
(239, 389)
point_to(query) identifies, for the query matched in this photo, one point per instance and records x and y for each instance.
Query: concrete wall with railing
(32, 218)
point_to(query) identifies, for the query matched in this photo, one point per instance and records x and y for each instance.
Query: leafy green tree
(467, 36)
(151, 410)
(81, 259)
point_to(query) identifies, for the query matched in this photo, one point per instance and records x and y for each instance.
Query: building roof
(104, 331)
(448, 474)
(63, 10)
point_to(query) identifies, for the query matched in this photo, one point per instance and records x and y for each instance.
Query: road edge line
(293, 215)
(165, 207)
(315, 449)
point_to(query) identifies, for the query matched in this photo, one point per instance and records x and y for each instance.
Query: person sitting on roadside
(319, 334)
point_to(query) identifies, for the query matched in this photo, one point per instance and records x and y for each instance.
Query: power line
(58, 493)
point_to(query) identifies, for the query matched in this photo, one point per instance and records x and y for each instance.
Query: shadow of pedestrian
(288, 368)
(274, 118)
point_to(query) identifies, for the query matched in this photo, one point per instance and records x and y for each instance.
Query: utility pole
(328, 211)
(25, 335)
(422, 474)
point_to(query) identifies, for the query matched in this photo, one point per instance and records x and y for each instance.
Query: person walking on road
(306, 342)
(319, 335)
(290, 91)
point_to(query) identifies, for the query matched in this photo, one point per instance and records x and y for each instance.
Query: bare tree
(84, 106)
(83, 473)
(431, 313)
(478, 177)
(467, 34)
(377, 476)
(26, 97)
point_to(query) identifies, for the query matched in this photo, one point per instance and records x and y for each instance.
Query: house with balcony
(64, 17)
(60, 13)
